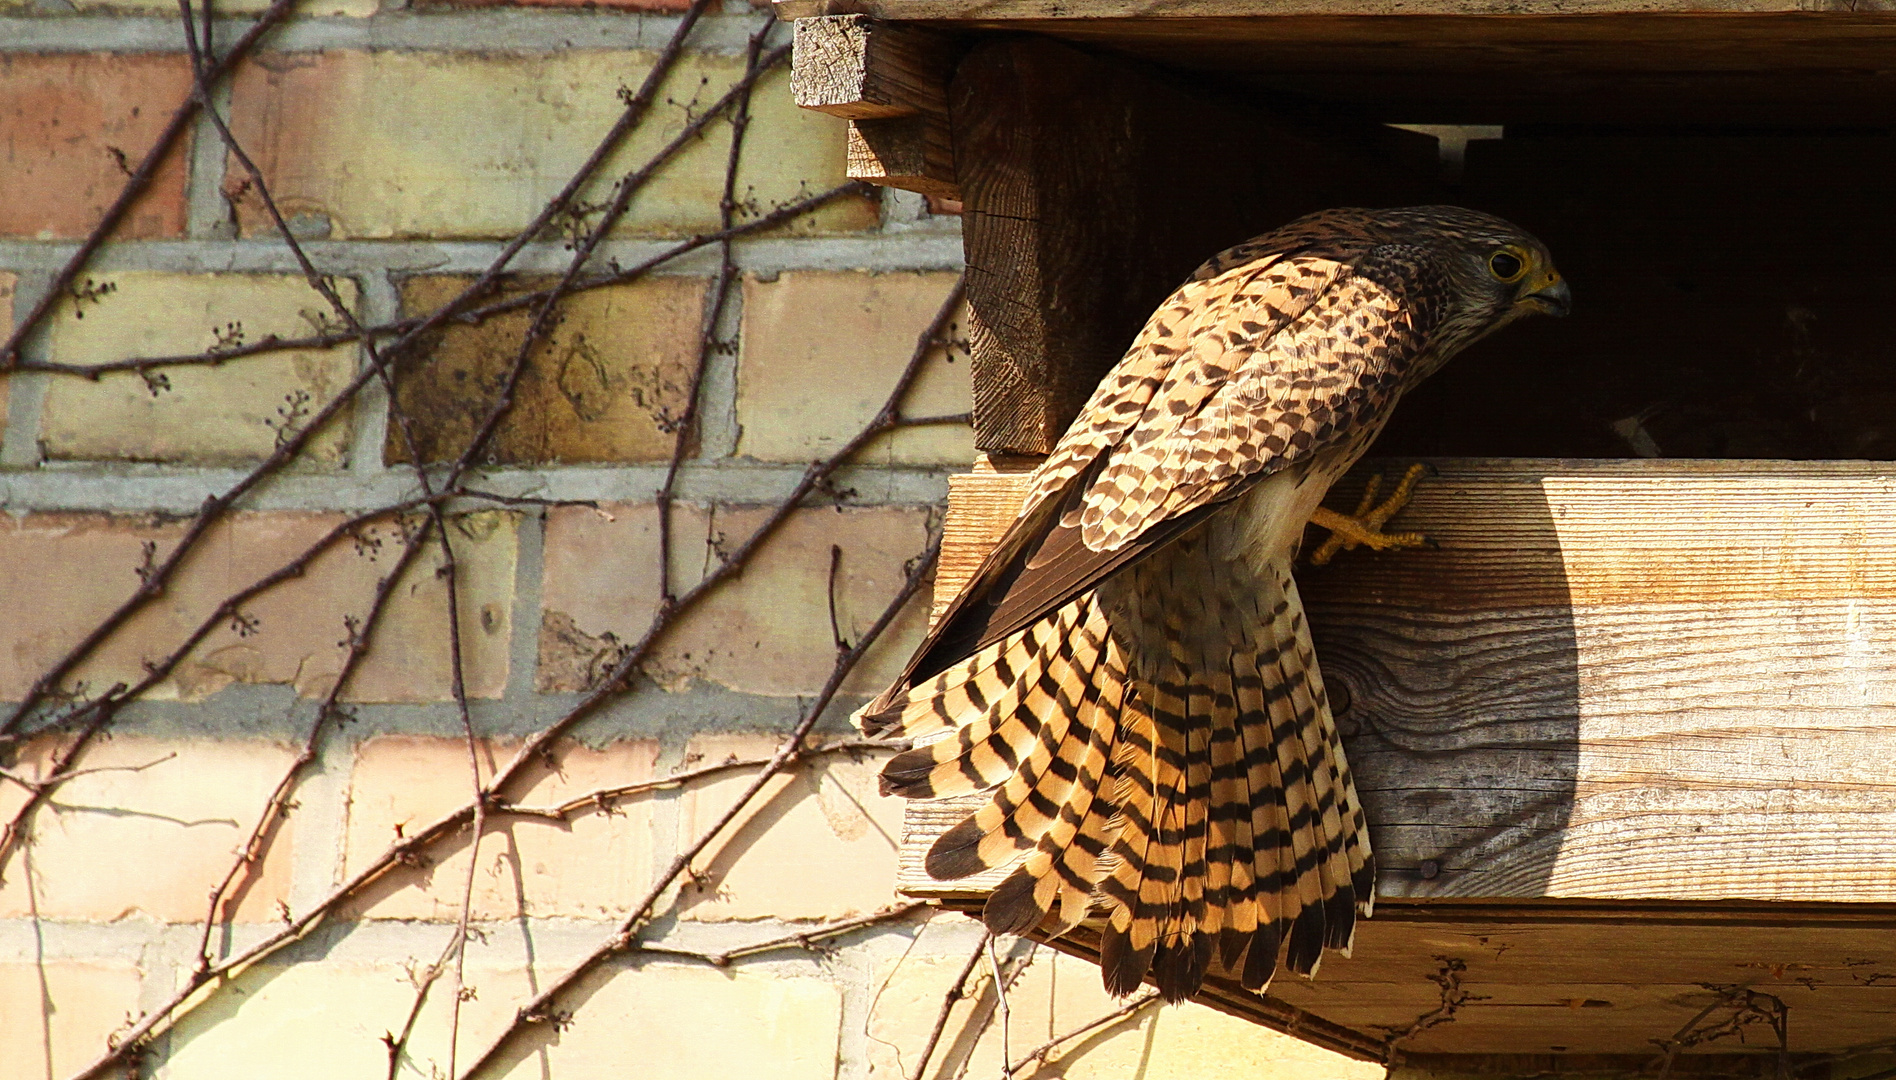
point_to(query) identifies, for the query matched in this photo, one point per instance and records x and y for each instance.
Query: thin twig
(276, 809)
(1038, 1055)
(715, 304)
(836, 626)
(1011, 976)
(957, 990)
(31, 784)
(604, 799)
(1007, 1013)
(805, 940)
(541, 1008)
(135, 185)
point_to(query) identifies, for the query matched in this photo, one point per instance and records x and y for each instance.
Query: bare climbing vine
(72, 718)
(68, 719)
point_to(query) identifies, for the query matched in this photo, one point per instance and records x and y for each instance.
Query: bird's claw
(1364, 527)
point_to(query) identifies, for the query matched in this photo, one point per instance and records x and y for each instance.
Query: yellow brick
(69, 571)
(473, 145)
(588, 869)
(821, 352)
(321, 1018)
(150, 833)
(608, 383)
(767, 632)
(324, 1019)
(55, 1028)
(235, 412)
(667, 1022)
(817, 843)
(308, 8)
(1059, 994)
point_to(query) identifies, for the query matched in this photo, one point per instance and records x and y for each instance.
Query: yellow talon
(1364, 527)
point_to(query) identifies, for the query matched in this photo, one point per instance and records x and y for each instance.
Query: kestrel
(1130, 671)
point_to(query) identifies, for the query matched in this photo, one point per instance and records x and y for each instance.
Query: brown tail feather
(935, 705)
(1199, 793)
(1059, 874)
(987, 750)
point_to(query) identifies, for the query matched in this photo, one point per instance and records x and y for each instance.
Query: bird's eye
(1505, 265)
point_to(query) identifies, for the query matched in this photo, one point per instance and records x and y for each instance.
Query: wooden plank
(1007, 10)
(1584, 988)
(1649, 679)
(891, 83)
(1091, 187)
(1769, 63)
(1602, 985)
(1228, 997)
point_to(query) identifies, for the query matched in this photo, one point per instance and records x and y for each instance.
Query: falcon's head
(1499, 270)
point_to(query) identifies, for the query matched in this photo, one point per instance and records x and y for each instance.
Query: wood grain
(998, 10)
(890, 82)
(1659, 680)
(1491, 61)
(1630, 733)
(1092, 186)
(1577, 989)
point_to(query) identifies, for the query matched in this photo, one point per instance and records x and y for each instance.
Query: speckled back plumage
(1129, 671)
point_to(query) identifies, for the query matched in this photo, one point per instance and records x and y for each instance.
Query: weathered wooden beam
(891, 83)
(1650, 679)
(1780, 62)
(1627, 732)
(1092, 186)
(992, 11)
(1579, 989)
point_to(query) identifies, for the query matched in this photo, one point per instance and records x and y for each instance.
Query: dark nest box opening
(1716, 185)
(1734, 289)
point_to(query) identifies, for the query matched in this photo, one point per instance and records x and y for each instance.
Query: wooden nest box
(1628, 738)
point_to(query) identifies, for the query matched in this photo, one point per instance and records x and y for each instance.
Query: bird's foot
(1364, 527)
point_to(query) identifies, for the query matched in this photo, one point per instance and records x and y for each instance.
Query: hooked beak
(1550, 295)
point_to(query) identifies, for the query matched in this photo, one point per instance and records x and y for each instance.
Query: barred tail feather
(1199, 794)
(987, 748)
(963, 690)
(1053, 887)
(1243, 832)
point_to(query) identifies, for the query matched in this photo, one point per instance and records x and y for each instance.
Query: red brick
(7, 283)
(617, 5)
(60, 574)
(62, 116)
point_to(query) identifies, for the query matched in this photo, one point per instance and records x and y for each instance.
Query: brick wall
(404, 146)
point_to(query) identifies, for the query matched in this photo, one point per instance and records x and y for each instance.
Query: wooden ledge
(1480, 61)
(1640, 717)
